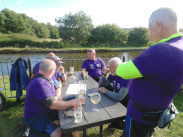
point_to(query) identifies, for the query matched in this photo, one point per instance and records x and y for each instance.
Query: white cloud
(18, 2)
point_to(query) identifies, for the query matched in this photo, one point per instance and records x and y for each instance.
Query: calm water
(74, 58)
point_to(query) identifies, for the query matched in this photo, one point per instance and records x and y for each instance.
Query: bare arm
(64, 76)
(59, 105)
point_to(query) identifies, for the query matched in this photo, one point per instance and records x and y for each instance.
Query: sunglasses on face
(57, 60)
(90, 51)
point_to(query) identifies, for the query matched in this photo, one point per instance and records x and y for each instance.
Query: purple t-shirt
(38, 90)
(36, 68)
(58, 75)
(162, 68)
(36, 71)
(118, 82)
(94, 67)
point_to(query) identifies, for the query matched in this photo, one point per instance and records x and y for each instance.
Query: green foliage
(76, 30)
(54, 33)
(12, 22)
(75, 27)
(109, 34)
(139, 36)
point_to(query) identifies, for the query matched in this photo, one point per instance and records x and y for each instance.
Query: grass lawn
(11, 119)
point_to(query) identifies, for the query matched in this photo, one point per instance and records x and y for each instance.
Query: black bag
(152, 115)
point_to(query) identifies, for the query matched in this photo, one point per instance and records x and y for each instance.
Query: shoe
(117, 125)
(111, 126)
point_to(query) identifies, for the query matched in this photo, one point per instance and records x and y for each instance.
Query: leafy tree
(13, 22)
(28, 25)
(42, 31)
(54, 33)
(76, 27)
(2, 23)
(139, 36)
(109, 33)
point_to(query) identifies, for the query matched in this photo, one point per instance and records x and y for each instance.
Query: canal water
(74, 59)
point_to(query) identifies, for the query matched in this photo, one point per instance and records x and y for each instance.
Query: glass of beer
(95, 99)
(71, 70)
(78, 112)
(82, 88)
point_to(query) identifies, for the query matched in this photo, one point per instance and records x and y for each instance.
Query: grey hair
(164, 15)
(116, 60)
(46, 65)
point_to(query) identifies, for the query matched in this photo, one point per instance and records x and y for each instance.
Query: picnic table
(109, 110)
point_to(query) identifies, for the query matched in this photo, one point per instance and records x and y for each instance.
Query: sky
(124, 13)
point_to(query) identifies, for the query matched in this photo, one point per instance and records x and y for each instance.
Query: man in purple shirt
(120, 87)
(41, 101)
(93, 65)
(36, 67)
(157, 74)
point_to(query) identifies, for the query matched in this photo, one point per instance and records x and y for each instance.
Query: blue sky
(124, 13)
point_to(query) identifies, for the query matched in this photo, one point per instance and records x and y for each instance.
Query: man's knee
(56, 133)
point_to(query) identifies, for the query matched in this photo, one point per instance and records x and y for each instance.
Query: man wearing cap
(95, 66)
(36, 67)
(157, 74)
(59, 73)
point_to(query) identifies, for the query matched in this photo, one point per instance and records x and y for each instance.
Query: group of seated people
(44, 91)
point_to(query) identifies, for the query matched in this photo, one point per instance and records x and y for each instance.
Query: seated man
(36, 67)
(41, 101)
(93, 65)
(59, 73)
(120, 85)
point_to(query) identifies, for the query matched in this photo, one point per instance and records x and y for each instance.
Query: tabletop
(109, 109)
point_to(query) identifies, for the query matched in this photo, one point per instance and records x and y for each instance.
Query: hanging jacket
(19, 79)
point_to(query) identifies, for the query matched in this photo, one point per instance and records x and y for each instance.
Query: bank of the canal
(66, 50)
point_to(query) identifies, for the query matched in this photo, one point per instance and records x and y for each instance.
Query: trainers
(111, 126)
(117, 125)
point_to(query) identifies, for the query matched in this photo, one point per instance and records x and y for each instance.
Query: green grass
(11, 119)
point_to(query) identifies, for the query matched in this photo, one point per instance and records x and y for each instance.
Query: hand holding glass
(86, 75)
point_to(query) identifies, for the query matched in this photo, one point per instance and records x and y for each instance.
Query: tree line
(74, 29)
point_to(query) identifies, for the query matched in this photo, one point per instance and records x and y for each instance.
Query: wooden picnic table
(109, 110)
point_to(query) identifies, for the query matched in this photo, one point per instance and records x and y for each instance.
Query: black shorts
(136, 129)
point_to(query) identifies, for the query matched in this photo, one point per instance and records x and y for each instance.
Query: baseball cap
(57, 60)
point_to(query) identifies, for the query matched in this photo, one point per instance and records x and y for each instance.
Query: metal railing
(6, 67)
